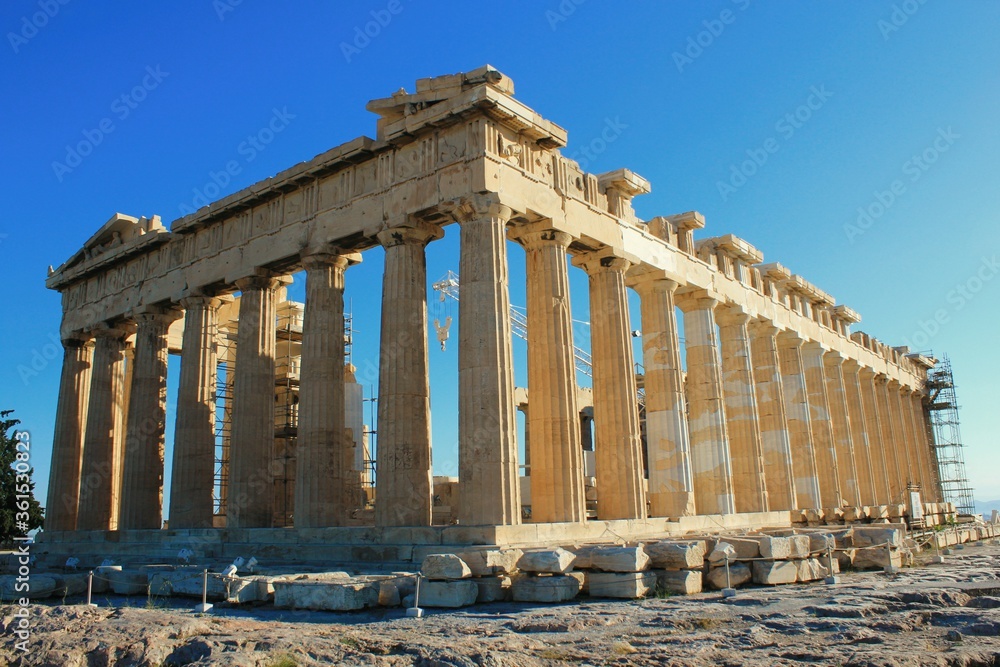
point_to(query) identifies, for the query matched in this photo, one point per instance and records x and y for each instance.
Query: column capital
(881, 378)
(415, 233)
(191, 301)
(601, 260)
(156, 315)
(696, 299)
(815, 344)
(118, 331)
(790, 338)
(731, 314)
(894, 383)
(539, 234)
(643, 280)
(77, 339)
(261, 279)
(834, 358)
(762, 327)
(319, 258)
(485, 206)
(866, 372)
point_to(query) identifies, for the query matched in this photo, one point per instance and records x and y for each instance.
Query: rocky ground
(932, 615)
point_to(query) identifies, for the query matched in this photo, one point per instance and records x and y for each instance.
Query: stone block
(388, 594)
(584, 555)
(70, 584)
(494, 588)
(678, 582)
(877, 558)
(127, 582)
(772, 572)
(722, 552)
(676, 555)
(546, 561)
(739, 574)
(619, 559)
(187, 583)
(626, 585)
(744, 547)
(554, 588)
(867, 536)
(819, 540)
(444, 567)
(487, 562)
(39, 587)
(326, 596)
(810, 569)
(799, 546)
(449, 594)
(778, 548)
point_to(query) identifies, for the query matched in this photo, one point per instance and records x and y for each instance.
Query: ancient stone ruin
(781, 417)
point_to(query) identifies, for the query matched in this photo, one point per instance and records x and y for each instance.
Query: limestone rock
(877, 558)
(546, 561)
(676, 555)
(127, 582)
(444, 567)
(388, 594)
(619, 559)
(774, 547)
(722, 552)
(678, 582)
(487, 562)
(495, 588)
(39, 586)
(810, 569)
(771, 572)
(627, 585)
(450, 594)
(867, 536)
(739, 574)
(555, 588)
(328, 596)
(743, 547)
(799, 546)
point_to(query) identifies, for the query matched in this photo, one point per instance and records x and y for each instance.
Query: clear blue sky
(688, 91)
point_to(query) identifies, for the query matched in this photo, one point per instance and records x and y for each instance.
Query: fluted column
(250, 501)
(889, 443)
(668, 445)
(489, 490)
(904, 447)
(710, 456)
(932, 489)
(793, 383)
(864, 450)
(403, 483)
(915, 454)
(618, 443)
(67, 438)
(779, 472)
(557, 492)
(742, 417)
(142, 474)
(821, 425)
(193, 472)
(876, 446)
(843, 438)
(103, 437)
(325, 489)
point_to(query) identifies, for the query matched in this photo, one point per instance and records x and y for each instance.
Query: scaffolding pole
(941, 405)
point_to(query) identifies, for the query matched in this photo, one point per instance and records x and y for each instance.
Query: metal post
(90, 588)
(415, 611)
(728, 591)
(204, 606)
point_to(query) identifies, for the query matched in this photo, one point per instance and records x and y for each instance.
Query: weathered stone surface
(388, 594)
(38, 587)
(867, 536)
(450, 594)
(810, 569)
(628, 585)
(678, 582)
(494, 588)
(556, 588)
(127, 582)
(799, 546)
(771, 572)
(70, 584)
(619, 559)
(444, 567)
(739, 574)
(546, 561)
(772, 546)
(328, 596)
(486, 562)
(877, 558)
(676, 555)
(722, 552)
(744, 547)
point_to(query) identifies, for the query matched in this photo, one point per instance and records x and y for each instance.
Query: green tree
(19, 511)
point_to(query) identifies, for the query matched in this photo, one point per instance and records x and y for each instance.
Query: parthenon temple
(755, 403)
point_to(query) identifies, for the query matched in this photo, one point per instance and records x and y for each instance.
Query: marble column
(103, 436)
(250, 501)
(671, 487)
(403, 482)
(821, 425)
(779, 471)
(557, 491)
(889, 442)
(864, 450)
(710, 455)
(876, 446)
(904, 447)
(489, 489)
(924, 439)
(618, 442)
(67, 439)
(193, 473)
(326, 488)
(742, 417)
(843, 437)
(142, 475)
(917, 460)
(793, 383)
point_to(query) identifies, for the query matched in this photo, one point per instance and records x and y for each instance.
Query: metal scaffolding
(941, 406)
